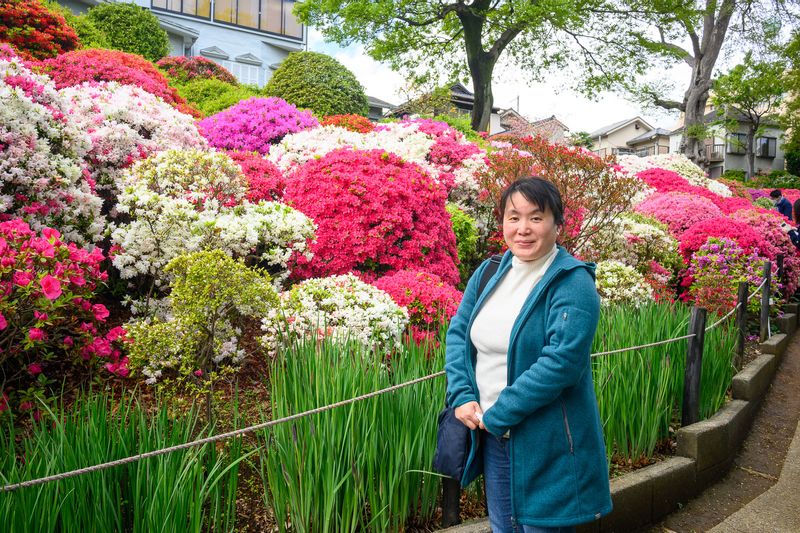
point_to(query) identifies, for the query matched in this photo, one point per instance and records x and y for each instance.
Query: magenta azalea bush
(722, 227)
(47, 316)
(254, 124)
(265, 181)
(376, 213)
(679, 211)
(430, 301)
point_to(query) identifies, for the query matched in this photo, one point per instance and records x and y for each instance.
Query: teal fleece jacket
(559, 472)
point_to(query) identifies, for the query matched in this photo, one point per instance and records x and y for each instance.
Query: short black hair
(537, 191)
(776, 193)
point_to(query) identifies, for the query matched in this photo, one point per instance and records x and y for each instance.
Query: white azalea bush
(678, 163)
(197, 336)
(42, 177)
(339, 308)
(618, 283)
(178, 202)
(126, 124)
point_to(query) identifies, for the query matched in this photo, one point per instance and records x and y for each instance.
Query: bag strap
(489, 271)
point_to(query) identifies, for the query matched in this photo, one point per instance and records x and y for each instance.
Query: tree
(448, 39)
(581, 138)
(790, 118)
(753, 91)
(318, 82)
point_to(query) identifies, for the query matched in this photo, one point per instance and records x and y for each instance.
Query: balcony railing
(715, 152)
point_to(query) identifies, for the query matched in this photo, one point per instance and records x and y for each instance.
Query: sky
(536, 100)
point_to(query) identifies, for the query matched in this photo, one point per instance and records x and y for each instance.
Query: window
(766, 146)
(195, 8)
(737, 143)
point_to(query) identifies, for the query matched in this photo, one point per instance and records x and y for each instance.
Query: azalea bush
(430, 301)
(42, 178)
(47, 315)
(179, 202)
(357, 123)
(265, 181)
(679, 211)
(74, 68)
(677, 163)
(715, 271)
(376, 214)
(181, 69)
(212, 299)
(255, 124)
(618, 283)
(741, 232)
(89, 35)
(34, 30)
(125, 124)
(339, 309)
(776, 242)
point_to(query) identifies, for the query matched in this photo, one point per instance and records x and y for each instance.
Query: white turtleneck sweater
(491, 330)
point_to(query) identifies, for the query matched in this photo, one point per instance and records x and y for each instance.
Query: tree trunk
(481, 63)
(692, 144)
(750, 153)
(482, 108)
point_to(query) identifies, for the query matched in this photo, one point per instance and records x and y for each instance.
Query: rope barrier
(738, 305)
(264, 425)
(214, 438)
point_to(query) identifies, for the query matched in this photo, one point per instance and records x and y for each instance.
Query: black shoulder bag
(452, 438)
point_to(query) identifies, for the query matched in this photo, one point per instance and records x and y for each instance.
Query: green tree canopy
(131, 28)
(318, 82)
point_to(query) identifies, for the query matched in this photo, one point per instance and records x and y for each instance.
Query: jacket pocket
(566, 428)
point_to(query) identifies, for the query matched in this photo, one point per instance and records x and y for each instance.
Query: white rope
(668, 341)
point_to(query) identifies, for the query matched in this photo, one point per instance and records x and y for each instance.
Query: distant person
(781, 204)
(794, 230)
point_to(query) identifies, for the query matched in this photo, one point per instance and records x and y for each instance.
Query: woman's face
(528, 231)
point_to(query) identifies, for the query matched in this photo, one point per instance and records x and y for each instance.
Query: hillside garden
(167, 275)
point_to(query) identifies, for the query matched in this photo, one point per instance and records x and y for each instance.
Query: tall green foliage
(131, 28)
(212, 96)
(318, 82)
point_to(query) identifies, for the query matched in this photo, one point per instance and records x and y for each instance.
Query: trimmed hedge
(212, 96)
(320, 83)
(131, 28)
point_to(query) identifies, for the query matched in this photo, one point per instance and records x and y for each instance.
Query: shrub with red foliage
(35, 31)
(376, 214)
(265, 180)
(724, 227)
(183, 69)
(74, 68)
(355, 123)
(430, 301)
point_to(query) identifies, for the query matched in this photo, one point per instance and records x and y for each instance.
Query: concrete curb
(705, 453)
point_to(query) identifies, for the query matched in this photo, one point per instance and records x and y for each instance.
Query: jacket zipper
(566, 427)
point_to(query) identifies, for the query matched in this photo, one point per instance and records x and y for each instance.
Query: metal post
(765, 291)
(451, 502)
(694, 366)
(741, 322)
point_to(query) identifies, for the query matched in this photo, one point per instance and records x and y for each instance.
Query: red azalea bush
(767, 224)
(355, 123)
(265, 180)
(732, 204)
(254, 124)
(679, 211)
(376, 214)
(46, 291)
(182, 69)
(737, 188)
(35, 31)
(722, 227)
(430, 301)
(80, 66)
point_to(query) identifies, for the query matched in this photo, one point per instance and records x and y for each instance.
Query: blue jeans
(496, 472)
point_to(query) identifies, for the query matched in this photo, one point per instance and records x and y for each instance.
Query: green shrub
(318, 82)
(734, 174)
(466, 241)
(90, 35)
(765, 202)
(462, 124)
(212, 96)
(793, 161)
(131, 28)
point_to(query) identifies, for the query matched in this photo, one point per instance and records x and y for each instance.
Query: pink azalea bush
(182, 69)
(265, 180)
(721, 227)
(678, 211)
(254, 124)
(668, 181)
(46, 308)
(42, 177)
(715, 271)
(767, 224)
(430, 301)
(376, 214)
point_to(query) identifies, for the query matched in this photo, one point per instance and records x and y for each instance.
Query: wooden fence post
(741, 322)
(694, 366)
(765, 293)
(451, 502)
(781, 273)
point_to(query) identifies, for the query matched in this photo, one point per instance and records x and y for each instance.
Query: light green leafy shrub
(318, 82)
(466, 241)
(131, 28)
(199, 331)
(211, 96)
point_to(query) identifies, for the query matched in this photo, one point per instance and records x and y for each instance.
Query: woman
(519, 374)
